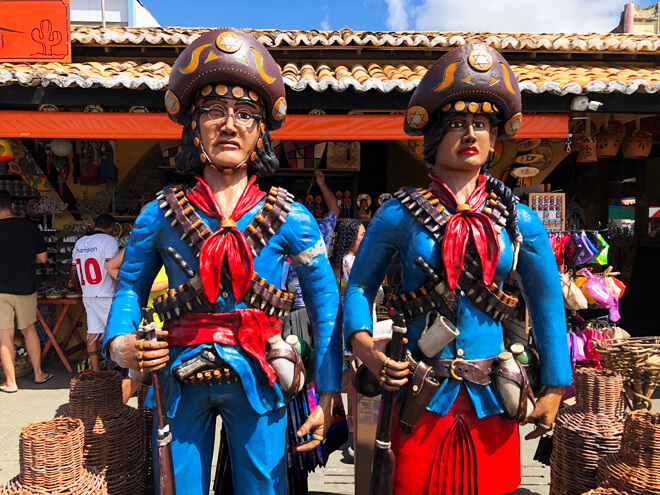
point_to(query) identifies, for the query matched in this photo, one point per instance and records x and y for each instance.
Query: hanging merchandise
(638, 144)
(600, 294)
(89, 164)
(609, 138)
(614, 284)
(108, 171)
(574, 299)
(344, 155)
(587, 152)
(602, 255)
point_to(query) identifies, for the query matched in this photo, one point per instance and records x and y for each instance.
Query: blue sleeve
(374, 255)
(319, 289)
(327, 227)
(139, 268)
(541, 287)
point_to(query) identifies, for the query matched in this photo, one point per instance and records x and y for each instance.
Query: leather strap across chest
(194, 231)
(433, 216)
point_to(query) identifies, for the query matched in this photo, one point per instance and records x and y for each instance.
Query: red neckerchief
(226, 241)
(464, 225)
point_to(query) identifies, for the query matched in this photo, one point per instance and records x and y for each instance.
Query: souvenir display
(550, 209)
(364, 202)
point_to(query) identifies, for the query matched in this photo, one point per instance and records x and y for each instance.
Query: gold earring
(492, 150)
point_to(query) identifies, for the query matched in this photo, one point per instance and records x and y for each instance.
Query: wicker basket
(604, 491)
(51, 461)
(587, 432)
(638, 361)
(21, 369)
(147, 416)
(95, 393)
(91, 482)
(113, 431)
(635, 469)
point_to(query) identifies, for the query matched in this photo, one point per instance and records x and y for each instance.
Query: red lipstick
(469, 150)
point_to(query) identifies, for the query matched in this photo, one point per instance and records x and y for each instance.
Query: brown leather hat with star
(472, 78)
(232, 57)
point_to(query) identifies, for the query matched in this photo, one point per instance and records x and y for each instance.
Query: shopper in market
(22, 246)
(470, 235)
(227, 92)
(89, 272)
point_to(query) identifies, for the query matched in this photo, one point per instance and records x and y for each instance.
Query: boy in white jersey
(90, 255)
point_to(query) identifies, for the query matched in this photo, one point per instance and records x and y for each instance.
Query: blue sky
(553, 16)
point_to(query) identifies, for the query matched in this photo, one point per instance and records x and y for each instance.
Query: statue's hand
(132, 351)
(545, 412)
(318, 422)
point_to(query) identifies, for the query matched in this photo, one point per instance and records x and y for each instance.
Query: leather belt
(475, 371)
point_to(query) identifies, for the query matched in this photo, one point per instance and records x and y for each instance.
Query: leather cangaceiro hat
(232, 57)
(472, 78)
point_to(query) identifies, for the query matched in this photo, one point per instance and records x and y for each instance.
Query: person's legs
(93, 350)
(33, 346)
(97, 309)
(128, 388)
(26, 316)
(257, 443)
(7, 355)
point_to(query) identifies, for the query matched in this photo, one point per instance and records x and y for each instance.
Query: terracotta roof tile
(558, 79)
(562, 42)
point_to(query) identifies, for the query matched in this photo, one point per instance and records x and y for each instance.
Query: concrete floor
(34, 403)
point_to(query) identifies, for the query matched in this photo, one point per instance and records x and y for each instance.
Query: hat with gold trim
(469, 79)
(229, 56)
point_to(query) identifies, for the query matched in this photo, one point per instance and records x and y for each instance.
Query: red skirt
(457, 454)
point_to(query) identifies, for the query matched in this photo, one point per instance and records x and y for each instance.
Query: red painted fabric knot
(227, 243)
(467, 225)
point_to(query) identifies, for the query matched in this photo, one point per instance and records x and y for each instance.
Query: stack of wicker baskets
(113, 431)
(635, 469)
(604, 491)
(638, 360)
(147, 415)
(51, 460)
(586, 432)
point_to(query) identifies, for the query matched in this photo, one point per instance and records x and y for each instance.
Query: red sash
(249, 328)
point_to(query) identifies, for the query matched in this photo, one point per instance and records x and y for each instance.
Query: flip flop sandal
(50, 375)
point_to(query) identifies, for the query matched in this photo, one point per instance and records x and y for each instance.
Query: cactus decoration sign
(35, 31)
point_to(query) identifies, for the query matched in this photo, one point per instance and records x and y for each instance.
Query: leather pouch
(418, 393)
(438, 333)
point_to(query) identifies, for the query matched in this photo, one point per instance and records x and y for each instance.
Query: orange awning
(29, 124)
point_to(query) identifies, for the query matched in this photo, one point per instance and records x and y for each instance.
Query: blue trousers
(256, 443)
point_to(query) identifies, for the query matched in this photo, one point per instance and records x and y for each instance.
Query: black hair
(5, 200)
(187, 160)
(104, 221)
(434, 133)
(345, 238)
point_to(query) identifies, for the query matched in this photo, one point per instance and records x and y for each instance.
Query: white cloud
(397, 15)
(325, 24)
(531, 16)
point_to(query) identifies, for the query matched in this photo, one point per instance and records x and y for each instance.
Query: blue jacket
(394, 229)
(299, 238)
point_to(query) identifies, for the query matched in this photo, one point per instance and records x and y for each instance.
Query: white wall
(117, 13)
